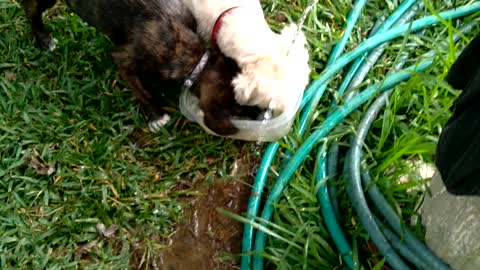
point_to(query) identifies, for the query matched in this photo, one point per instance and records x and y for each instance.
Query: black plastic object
(458, 150)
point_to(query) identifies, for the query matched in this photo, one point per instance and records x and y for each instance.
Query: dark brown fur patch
(156, 44)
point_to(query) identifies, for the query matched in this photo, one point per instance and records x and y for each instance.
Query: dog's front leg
(34, 10)
(157, 118)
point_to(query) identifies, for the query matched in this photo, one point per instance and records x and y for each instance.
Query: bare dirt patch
(205, 236)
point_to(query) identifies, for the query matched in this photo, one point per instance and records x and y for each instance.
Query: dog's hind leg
(34, 10)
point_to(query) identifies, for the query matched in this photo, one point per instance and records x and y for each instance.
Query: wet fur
(155, 44)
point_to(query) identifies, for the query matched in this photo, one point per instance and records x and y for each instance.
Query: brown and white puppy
(155, 45)
(274, 67)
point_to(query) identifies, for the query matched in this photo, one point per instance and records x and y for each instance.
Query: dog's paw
(52, 44)
(275, 79)
(46, 41)
(258, 86)
(243, 89)
(155, 125)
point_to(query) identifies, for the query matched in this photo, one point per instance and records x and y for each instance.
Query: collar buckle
(190, 80)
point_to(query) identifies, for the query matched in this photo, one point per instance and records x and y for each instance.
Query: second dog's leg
(34, 10)
(157, 118)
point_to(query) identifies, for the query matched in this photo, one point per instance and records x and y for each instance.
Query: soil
(206, 235)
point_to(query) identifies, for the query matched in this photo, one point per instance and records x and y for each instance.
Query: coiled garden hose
(305, 118)
(359, 202)
(359, 70)
(371, 43)
(313, 93)
(261, 177)
(336, 52)
(420, 256)
(398, 245)
(327, 210)
(354, 76)
(428, 260)
(357, 197)
(303, 151)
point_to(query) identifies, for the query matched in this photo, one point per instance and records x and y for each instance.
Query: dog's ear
(466, 66)
(217, 116)
(219, 122)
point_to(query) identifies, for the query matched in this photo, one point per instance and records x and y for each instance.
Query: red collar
(218, 23)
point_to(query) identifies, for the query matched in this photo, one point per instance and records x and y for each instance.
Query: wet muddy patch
(207, 239)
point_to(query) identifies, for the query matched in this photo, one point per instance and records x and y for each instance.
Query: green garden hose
(313, 93)
(359, 70)
(420, 255)
(273, 147)
(357, 73)
(377, 40)
(303, 151)
(402, 249)
(360, 204)
(307, 115)
(328, 213)
(402, 14)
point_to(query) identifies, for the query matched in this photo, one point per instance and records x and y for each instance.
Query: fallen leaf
(40, 166)
(106, 232)
(85, 248)
(11, 76)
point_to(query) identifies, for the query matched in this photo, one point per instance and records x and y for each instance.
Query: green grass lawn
(75, 152)
(67, 110)
(405, 133)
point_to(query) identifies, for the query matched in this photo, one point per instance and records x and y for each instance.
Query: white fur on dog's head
(274, 78)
